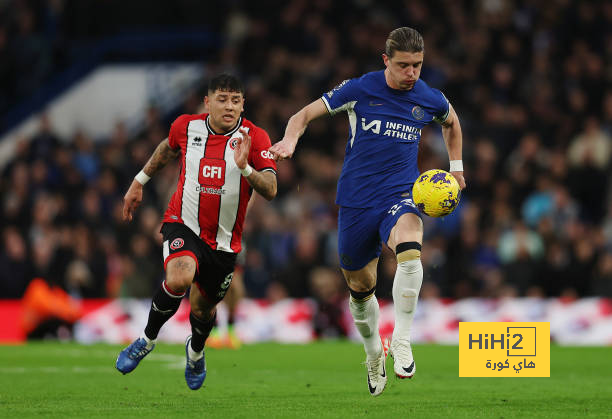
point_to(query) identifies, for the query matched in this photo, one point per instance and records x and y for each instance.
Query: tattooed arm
(161, 156)
(264, 183)
(133, 197)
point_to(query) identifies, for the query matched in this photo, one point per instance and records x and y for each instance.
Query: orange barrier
(42, 302)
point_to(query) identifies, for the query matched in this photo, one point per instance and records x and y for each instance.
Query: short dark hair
(404, 39)
(226, 82)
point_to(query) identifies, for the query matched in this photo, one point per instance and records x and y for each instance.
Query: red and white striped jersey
(211, 196)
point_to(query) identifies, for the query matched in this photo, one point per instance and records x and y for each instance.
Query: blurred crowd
(531, 82)
(40, 39)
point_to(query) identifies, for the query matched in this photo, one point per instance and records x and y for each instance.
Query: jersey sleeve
(341, 97)
(178, 132)
(260, 158)
(442, 107)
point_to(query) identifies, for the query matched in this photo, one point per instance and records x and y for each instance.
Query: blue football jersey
(385, 129)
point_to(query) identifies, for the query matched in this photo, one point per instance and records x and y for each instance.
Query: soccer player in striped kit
(223, 157)
(387, 110)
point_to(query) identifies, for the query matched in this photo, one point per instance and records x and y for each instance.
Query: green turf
(271, 380)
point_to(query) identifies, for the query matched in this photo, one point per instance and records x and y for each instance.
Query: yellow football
(436, 193)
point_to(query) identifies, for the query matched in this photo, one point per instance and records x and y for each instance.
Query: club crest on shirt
(418, 112)
(233, 143)
(177, 244)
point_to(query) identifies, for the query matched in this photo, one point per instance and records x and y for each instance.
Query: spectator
(589, 160)
(15, 267)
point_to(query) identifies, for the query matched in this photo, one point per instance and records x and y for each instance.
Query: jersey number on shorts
(395, 208)
(225, 284)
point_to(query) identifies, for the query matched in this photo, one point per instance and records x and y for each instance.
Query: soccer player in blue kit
(387, 110)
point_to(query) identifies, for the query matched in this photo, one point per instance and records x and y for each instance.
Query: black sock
(200, 330)
(163, 307)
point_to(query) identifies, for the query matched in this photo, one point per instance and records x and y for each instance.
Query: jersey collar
(227, 134)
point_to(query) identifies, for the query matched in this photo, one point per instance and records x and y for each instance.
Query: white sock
(406, 287)
(193, 355)
(365, 314)
(150, 342)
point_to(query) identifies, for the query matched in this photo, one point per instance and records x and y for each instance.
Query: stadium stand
(532, 84)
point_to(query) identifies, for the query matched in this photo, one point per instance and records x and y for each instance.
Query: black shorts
(214, 268)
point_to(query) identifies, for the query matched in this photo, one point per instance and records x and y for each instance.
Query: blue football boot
(195, 371)
(129, 358)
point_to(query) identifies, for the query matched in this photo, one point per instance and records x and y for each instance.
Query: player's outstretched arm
(295, 128)
(263, 182)
(133, 197)
(451, 131)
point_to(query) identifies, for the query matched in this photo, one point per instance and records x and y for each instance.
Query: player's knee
(179, 286)
(361, 281)
(180, 273)
(408, 251)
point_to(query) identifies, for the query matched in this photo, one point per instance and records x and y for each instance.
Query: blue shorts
(361, 231)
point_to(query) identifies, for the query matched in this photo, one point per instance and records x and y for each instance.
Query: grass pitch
(320, 380)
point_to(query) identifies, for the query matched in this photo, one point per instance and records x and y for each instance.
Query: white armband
(246, 172)
(142, 177)
(456, 166)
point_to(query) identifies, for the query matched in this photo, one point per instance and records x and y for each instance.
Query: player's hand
(284, 149)
(132, 200)
(460, 179)
(241, 152)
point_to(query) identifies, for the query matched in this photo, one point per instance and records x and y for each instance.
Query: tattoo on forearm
(264, 183)
(161, 156)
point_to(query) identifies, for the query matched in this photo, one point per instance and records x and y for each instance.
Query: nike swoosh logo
(375, 104)
(372, 389)
(410, 368)
(383, 375)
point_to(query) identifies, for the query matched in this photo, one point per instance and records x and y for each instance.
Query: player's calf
(406, 287)
(365, 311)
